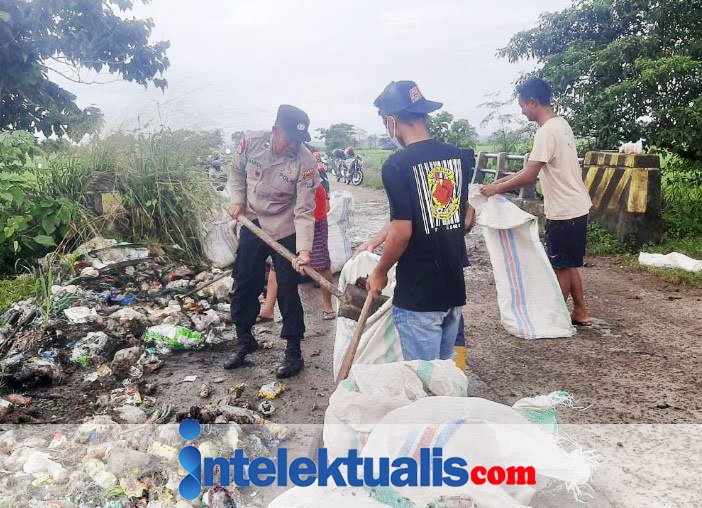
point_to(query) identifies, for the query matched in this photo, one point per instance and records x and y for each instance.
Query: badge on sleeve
(242, 146)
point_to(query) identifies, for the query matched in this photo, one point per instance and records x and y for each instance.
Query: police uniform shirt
(278, 190)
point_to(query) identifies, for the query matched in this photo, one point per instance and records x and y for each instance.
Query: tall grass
(165, 194)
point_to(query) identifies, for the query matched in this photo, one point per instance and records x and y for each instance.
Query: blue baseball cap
(404, 96)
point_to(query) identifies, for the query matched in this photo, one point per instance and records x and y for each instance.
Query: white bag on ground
(371, 391)
(672, 260)
(530, 299)
(340, 219)
(380, 342)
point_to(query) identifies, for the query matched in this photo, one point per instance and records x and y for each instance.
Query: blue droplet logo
(190, 460)
(189, 429)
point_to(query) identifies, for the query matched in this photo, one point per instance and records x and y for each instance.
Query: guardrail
(502, 168)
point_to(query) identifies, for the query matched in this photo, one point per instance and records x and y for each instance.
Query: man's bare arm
(374, 242)
(523, 178)
(398, 237)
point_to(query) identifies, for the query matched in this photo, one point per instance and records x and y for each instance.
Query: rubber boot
(245, 344)
(292, 362)
(461, 357)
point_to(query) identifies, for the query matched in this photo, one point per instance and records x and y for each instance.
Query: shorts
(565, 242)
(319, 255)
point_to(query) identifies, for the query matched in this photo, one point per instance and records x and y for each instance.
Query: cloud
(233, 62)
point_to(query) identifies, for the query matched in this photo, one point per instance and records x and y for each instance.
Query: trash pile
(102, 463)
(124, 312)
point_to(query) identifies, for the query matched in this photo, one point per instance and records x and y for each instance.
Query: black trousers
(250, 279)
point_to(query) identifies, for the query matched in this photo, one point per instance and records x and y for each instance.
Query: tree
(512, 132)
(459, 132)
(463, 134)
(623, 69)
(78, 40)
(338, 135)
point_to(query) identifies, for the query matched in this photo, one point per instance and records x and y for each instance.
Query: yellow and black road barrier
(626, 195)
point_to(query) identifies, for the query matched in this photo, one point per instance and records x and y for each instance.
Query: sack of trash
(530, 299)
(339, 220)
(219, 238)
(484, 433)
(371, 391)
(380, 342)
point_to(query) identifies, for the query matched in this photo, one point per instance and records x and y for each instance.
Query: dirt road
(640, 363)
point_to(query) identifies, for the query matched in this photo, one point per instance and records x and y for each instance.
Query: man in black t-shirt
(427, 186)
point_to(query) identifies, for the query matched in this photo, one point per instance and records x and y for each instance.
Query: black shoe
(238, 358)
(291, 365)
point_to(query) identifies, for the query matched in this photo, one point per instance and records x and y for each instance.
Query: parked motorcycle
(347, 166)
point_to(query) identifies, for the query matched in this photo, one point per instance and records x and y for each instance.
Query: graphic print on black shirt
(427, 184)
(439, 188)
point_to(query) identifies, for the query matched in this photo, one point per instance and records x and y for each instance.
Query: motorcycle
(353, 171)
(347, 169)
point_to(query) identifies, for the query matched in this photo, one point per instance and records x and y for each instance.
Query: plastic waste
(92, 344)
(206, 390)
(271, 390)
(121, 300)
(266, 408)
(39, 462)
(97, 471)
(80, 315)
(131, 414)
(89, 273)
(176, 338)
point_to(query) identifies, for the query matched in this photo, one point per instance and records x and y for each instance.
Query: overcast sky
(234, 61)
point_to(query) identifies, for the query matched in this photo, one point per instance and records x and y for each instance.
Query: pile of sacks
(395, 409)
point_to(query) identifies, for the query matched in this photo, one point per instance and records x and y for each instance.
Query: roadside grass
(372, 162)
(15, 290)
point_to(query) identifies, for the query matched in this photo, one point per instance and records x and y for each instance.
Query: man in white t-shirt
(554, 160)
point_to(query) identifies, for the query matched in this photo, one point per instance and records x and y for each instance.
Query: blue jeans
(427, 335)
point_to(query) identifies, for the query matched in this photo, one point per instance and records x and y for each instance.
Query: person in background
(554, 160)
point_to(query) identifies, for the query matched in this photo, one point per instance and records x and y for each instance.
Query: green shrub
(601, 242)
(681, 182)
(36, 207)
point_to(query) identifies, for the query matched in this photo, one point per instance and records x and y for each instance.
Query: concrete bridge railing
(625, 190)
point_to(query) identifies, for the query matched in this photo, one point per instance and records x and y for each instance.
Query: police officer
(273, 182)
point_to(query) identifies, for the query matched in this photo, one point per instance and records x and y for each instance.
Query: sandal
(263, 319)
(328, 316)
(575, 322)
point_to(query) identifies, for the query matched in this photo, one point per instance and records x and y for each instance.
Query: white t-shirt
(565, 195)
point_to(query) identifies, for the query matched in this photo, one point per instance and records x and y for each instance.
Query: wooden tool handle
(268, 240)
(355, 341)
